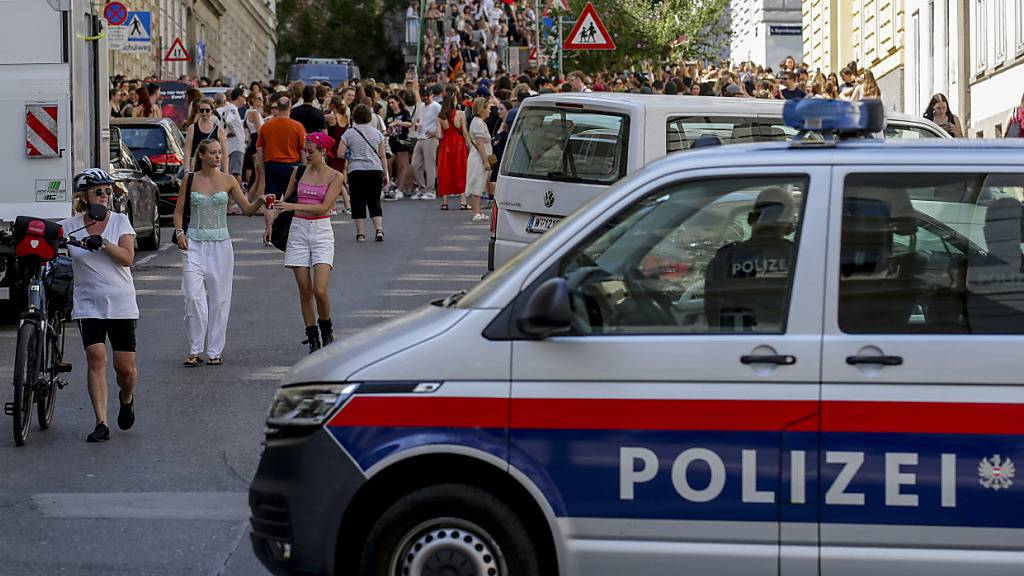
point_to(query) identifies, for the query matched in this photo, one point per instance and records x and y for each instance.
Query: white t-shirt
(428, 120)
(233, 124)
(103, 288)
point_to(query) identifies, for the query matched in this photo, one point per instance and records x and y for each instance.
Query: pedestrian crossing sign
(134, 35)
(139, 28)
(589, 33)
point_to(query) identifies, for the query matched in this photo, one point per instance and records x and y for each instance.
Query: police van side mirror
(547, 310)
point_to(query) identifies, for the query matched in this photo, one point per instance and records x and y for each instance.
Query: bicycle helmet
(91, 177)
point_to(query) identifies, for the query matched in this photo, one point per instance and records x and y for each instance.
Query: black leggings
(364, 187)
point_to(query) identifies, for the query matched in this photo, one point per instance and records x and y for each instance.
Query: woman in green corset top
(208, 261)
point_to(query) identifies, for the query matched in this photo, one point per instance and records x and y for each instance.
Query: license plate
(5, 293)
(540, 224)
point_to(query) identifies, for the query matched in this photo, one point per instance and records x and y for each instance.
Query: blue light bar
(833, 116)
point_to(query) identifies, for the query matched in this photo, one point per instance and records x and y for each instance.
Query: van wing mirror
(547, 310)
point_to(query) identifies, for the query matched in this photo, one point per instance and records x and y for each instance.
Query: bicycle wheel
(47, 400)
(24, 380)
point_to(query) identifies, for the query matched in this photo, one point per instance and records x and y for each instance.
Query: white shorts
(310, 242)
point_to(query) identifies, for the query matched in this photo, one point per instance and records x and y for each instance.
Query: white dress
(477, 170)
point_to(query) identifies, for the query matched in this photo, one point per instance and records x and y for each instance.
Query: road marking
(414, 292)
(375, 313)
(269, 374)
(439, 278)
(176, 277)
(450, 263)
(229, 506)
(450, 249)
(260, 251)
(155, 292)
(274, 262)
(142, 261)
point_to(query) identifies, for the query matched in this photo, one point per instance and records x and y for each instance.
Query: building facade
(935, 38)
(233, 39)
(870, 32)
(765, 32)
(996, 54)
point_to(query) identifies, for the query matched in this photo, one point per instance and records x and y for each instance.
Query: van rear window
(567, 146)
(150, 140)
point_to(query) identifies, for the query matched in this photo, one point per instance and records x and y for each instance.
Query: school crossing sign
(589, 33)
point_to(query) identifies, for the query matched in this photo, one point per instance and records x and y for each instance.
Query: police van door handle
(779, 359)
(880, 360)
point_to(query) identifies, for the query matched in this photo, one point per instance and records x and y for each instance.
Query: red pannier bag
(36, 237)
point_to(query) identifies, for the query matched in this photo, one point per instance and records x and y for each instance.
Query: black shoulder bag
(186, 215)
(283, 221)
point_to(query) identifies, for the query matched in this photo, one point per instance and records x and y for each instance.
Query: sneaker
(481, 217)
(100, 434)
(429, 195)
(126, 417)
(399, 195)
(348, 211)
(390, 196)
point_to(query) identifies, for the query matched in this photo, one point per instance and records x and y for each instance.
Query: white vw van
(565, 148)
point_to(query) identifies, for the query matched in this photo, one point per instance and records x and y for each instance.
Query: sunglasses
(205, 110)
(103, 192)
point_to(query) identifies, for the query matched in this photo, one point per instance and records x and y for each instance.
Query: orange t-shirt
(282, 140)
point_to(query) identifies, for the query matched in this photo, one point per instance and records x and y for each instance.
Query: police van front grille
(270, 518)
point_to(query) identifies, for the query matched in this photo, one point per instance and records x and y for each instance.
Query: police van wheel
(449, 529)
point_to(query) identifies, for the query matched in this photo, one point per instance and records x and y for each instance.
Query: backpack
(1013, 130)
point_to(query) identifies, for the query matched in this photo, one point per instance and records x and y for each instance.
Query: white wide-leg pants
(208, 268)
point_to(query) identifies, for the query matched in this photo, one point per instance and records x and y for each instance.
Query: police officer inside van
(746, 282)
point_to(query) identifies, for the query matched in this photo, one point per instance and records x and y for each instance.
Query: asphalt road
(169, 496)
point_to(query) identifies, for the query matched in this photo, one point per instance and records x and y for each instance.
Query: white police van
(802, 364)
(566, 148)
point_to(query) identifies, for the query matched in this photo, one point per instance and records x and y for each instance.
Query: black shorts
(121, 333)
(364, 187)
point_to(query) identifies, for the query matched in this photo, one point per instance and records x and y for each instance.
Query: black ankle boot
(312, 338)
(326, 331)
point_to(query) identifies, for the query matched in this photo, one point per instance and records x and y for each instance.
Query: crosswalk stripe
(375, 313)
(439, 278)
(449, 249)
(398, 292)
(449, 263)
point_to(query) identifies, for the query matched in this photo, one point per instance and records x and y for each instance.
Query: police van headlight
(308, 404)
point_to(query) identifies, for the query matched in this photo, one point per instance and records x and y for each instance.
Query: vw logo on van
(549, 198)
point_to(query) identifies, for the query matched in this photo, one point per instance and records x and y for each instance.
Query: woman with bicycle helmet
(104, 294)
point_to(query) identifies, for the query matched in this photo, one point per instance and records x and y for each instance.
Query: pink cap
(322, 141)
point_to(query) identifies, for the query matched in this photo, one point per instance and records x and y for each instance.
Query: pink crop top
(310, 194)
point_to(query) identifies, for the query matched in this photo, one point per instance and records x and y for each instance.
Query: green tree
(340, 29)
(645, 32)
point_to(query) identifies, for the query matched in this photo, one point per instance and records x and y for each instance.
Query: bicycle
(39, 354)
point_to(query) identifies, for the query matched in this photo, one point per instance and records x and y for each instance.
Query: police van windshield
(568, 146)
